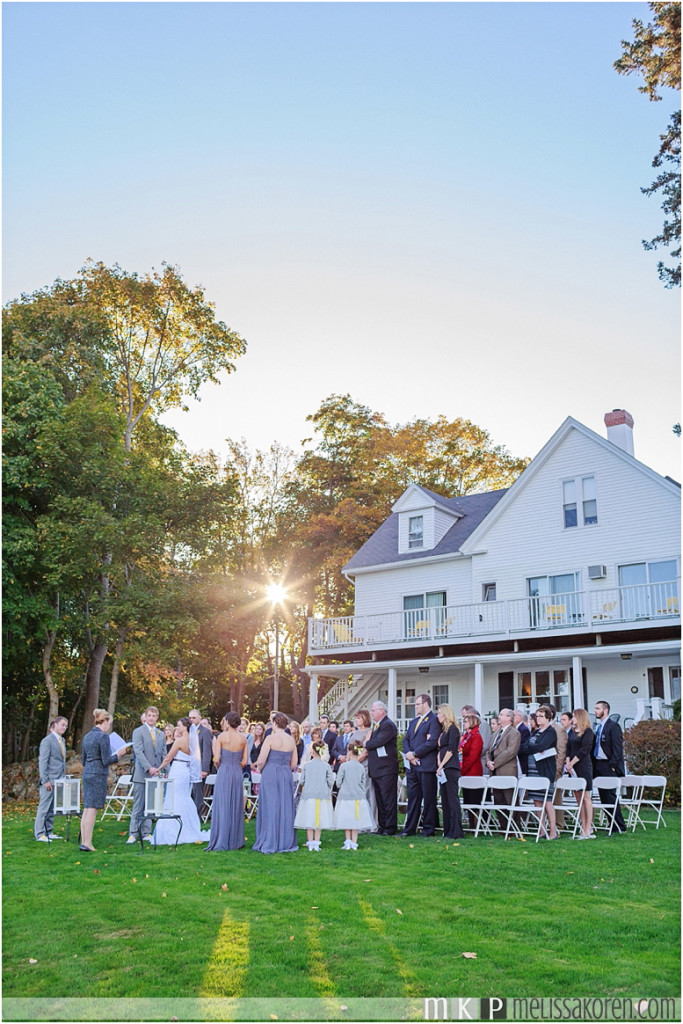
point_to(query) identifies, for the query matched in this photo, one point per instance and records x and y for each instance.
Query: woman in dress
(169, 735)
(96, 756)
(541, 748)
(166, 829)
(227, 810)
(448, 762)
(259, 736)
(363, 725)
(469, 754)
(580, 741)
(275, 817)
(295, 733)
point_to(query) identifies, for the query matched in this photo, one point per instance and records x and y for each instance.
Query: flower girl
(315, 807)
(352, 812)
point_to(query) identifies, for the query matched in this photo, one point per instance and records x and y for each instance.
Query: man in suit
(339, 748)
(149, 748)
(383, 767)
(520, 723)
(329, 735)
(608, 756)
(51, 766)
(561, 747)
(200, 753)
(502, 755)
(419, 746)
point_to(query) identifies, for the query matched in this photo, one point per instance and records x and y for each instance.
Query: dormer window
(416, 532)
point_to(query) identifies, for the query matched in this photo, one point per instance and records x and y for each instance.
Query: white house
(563, 588)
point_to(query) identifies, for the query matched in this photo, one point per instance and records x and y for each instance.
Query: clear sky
(433, 206)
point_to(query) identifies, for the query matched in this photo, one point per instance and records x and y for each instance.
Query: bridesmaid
(275, 817)
(227, 810)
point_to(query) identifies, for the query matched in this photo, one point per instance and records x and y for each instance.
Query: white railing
(579, 610)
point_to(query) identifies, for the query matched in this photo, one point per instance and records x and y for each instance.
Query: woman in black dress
(580, 740)
(96, 756)
(541, 749)
(259, 736)
(448, 762)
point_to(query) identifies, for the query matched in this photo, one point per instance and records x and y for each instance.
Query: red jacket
(471, 746)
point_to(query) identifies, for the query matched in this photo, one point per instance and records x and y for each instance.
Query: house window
(439, 695)
(544, 686)
(410, 704)
(488, 591)
(675, 682)
(579, 502)
(415, 531)
(424, 614)
(648, 589)
(555, 600)
(655, 682)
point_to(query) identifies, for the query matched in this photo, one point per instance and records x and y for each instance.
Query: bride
(167, 828)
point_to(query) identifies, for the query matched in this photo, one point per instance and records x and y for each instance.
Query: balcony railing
(579, 610)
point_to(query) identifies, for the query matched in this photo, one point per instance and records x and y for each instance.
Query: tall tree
(655, 53)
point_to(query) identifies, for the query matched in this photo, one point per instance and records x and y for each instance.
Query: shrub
(653, 747)
(677, 709)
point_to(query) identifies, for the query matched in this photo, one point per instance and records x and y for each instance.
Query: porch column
(313, 699)
(479, 686)
(577, 675)
(391, 698)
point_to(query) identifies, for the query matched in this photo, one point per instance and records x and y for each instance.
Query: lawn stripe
(226, 970)
(411, 987)
(317, 968)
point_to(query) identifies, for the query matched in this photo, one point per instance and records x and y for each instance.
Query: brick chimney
(619, 425)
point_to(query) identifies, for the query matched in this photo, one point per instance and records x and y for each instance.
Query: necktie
(497, 740)
(61, 746)
(154, 739)
(419, 723)
(596, 748)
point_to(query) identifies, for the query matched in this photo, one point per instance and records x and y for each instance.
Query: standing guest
(566, 721)
(608, 757)
(329, 735)
(561, 747)
(448, 764)
(341, 745)
(363, 723)
(149, 747)
(315, 807)
(96, 756)
(469, 753)
(179, 796)
(51, 766)
(352, 811)
(533, 722)
(316, 737)
(579, 747)
(502, 756)
(541, 751)
(244, 729)
(520, 720)
(201, 742)
(227, 810)
(306, 733)
(419, 746)
(494, 725)
(169, 731)
(259, 737)
(484, 730)
(383, 767)
(207, 725)
(275, 817)
(295, 733)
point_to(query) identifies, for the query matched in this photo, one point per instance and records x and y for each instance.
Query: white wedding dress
(167, 828)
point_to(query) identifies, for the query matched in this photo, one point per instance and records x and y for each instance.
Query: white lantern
(67, 795)
(158, 797)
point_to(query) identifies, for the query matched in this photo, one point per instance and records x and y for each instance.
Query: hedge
(653, 747)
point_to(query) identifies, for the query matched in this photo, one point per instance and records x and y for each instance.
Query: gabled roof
(382, 547)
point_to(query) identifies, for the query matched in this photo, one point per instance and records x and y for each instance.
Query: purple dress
(275, 818)
(227, 809)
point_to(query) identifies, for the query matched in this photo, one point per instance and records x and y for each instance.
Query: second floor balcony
(578, 611)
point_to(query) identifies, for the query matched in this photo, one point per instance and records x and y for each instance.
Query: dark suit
(384, 773)
(524, 734)
(205, 754)
(339, 749)
(422, 739)
(612, 766)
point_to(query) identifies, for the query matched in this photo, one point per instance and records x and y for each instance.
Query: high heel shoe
(87, 849)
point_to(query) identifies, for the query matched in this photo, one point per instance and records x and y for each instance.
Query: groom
(149, 747)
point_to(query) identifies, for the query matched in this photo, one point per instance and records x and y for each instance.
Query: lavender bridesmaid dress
(275, 817)
(227, 809)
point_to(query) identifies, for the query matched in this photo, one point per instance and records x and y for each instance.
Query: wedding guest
(51, 766)
(96, 756)
(295, 733)
(306, 732)
(316, 737)
(352, 810)
(520, 720)
(448, 763)
(315, 807)
(259, 737)
(580, 742)
(169, 730)
(383, 767)
(469, 752)
(362, 723)
(227, 809)
(341, 744)
(275, 817)
(541, 750)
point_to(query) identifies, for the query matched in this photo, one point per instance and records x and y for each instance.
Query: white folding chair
(525, 807)
(120, 799)
(501, 811)
(251, 798)
(473, 799)
(630, 798)
(572, 802)
(209, 783)
(606, 813)
(655, 785)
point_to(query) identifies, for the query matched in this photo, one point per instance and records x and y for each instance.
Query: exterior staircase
(350, 695)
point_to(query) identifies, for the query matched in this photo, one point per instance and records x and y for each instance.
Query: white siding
(384, 590)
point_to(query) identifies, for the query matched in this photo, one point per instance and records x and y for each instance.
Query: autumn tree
(655, 54)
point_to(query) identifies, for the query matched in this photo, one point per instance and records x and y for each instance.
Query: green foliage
(653, 747)
(677, 710)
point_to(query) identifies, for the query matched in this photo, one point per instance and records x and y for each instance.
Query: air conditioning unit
(597, 572)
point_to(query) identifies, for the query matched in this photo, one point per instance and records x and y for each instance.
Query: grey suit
(51, 766)
(148, 754)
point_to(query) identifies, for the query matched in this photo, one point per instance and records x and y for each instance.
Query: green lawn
(390, 921)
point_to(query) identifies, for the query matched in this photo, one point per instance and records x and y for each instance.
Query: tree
(655, 53)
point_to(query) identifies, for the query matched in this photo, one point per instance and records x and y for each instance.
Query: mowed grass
(392, 920)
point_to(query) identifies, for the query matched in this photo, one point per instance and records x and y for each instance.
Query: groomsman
(383, 767)
(341, 743)
(51, 766)
(419, 746)
(149, 747)
(608, 756)
(200, 753)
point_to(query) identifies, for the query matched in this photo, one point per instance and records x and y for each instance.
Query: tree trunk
(47, 675)
(113, 689)
(92, 684)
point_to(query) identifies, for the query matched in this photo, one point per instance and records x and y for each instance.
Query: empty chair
(120, 800)
(473, 800)
(250, 797)
(605, 814)
(653, 791)
(209, 783)
(573, 791)
(630, 797)
(524, 806)
(490, 807)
